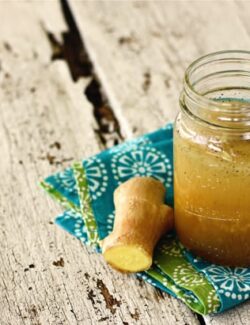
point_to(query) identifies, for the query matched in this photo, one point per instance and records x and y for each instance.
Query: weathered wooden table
(75, 78)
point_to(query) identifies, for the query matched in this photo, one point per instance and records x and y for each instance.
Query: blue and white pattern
(97, 176)
(73, 222)
(110, 222)
(69, 215)
(146, 278)
(80, 230)
(66, 180)
(233, 283)
(142, 162)
(65, 185)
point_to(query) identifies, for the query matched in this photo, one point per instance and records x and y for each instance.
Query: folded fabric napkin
(86, 191)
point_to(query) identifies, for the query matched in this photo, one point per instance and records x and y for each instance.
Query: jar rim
(206, 59)
(217, 89)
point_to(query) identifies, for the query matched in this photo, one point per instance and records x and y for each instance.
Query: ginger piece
(141, 219)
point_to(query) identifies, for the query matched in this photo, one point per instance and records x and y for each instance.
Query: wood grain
(47, 276)
(141, 50)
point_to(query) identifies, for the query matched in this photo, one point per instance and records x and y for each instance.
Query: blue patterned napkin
(86, 190)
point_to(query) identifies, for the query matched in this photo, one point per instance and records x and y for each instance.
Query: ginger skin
(141, 219)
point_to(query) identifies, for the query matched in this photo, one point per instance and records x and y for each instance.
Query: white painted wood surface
(128, 41)
(47, 276)
(40, 105)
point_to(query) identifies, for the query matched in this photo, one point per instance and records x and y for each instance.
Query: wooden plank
(41, 106)
(140, 51)
(237, 316)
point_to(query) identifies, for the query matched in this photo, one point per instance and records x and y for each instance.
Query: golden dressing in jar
(212, 159)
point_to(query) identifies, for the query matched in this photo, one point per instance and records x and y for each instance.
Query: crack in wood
(201, 319)
(109, 129)
(73, 52)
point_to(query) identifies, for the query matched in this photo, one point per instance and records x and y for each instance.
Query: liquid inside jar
(212, 192)
(212, 159)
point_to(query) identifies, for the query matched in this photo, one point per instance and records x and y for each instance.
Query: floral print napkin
(86, 191)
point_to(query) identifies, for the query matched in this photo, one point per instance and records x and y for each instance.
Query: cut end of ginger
(141, 218)
(128, 258)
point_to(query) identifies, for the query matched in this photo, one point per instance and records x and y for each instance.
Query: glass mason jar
(212, 159)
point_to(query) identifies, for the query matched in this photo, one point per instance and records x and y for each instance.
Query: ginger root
(141, 219)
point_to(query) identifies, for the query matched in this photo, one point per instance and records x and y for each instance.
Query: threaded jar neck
(217, 90)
